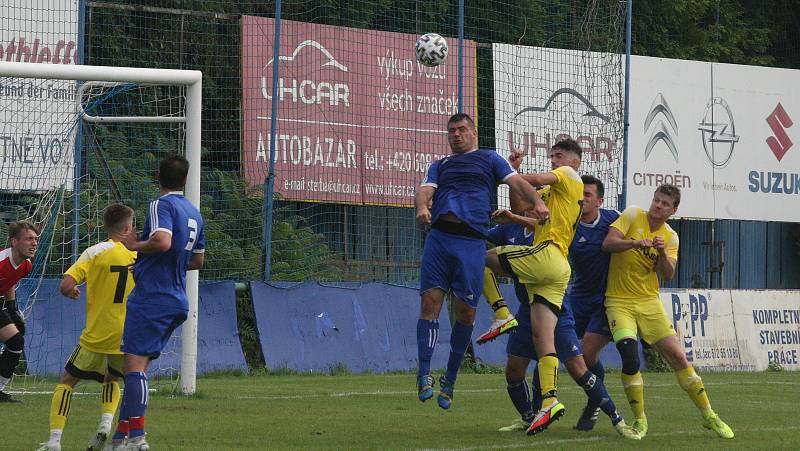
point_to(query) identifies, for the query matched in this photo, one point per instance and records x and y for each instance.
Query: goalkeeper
(15, 264)
(105, 269)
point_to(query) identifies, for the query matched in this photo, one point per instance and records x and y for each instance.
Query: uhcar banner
(359, 118)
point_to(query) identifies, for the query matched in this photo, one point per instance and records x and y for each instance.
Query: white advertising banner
(37, 133)
(723, 133)
(544, 95)
(769, 321)
(703, 321)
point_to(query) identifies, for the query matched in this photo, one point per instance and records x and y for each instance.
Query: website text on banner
(724, 134)
(359, 118)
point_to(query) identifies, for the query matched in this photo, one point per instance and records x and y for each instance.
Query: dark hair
(458, 117)
(116, 217)
(172, 172)
(672, 191)
(570, 145)
(15, 228)
(592, 180)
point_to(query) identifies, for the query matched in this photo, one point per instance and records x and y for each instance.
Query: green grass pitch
(381, 412)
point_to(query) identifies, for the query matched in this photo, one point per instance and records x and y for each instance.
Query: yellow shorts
(543, 270)
(85, 364)
(643, 317)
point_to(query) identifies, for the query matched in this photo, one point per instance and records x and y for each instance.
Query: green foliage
(705, 30)
(654, 362)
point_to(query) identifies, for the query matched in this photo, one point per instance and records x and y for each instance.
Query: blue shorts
(453, 263)
(148, 327)
(520, 340)
(590, 316)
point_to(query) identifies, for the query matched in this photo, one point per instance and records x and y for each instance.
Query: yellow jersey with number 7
(104, 268)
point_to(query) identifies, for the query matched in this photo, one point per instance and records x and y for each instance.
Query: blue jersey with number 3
(161, 276)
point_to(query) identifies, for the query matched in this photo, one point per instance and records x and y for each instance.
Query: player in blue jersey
(455, 198)
(587, 291)
(171, 243)
(515, 229)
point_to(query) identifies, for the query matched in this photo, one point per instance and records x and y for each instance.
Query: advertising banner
(37, 133)
(544, 95)
(359, 119)
(703, 322)
(769, 321)
(724, 134)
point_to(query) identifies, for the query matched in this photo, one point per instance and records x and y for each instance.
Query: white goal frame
(193, 81)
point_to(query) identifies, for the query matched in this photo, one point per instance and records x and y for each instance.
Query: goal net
(75, 139)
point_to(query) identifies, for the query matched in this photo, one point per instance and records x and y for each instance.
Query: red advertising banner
(359, 119)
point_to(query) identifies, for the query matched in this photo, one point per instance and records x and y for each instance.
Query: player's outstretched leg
(693, 385)
(504, 321)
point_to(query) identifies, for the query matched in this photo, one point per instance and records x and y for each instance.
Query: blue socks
(598, 395)
(135, 401)
(520, 395)
(460, 338)
(599, 370)
(536, 390)
(427, 336)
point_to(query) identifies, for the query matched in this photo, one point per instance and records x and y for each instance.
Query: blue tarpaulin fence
(54, 324)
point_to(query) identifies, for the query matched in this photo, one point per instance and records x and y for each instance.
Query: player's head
(665, 202)
(593, 191)
(24, 238)
(172, 172)
(566, 152)
(118, 219)
(461, 133)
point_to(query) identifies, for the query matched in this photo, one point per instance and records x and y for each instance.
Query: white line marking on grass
(568, 387)
(531, 443)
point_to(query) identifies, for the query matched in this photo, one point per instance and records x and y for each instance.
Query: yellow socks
(693, 385)
(491, 291)
(548, 378)
(59, 406)
(110, 397)
(634, 390)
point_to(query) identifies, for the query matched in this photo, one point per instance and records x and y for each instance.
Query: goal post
(191, 81)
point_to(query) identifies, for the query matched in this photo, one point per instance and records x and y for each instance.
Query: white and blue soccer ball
(431, 49)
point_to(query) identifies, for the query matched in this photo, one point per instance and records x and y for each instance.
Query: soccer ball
(431, 49)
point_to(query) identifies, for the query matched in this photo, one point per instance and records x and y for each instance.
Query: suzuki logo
(779, 142)
(660, 132)
(718, 127)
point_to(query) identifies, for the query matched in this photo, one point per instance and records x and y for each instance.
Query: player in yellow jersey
(104, 268)
(643, 247)
(543, 268)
